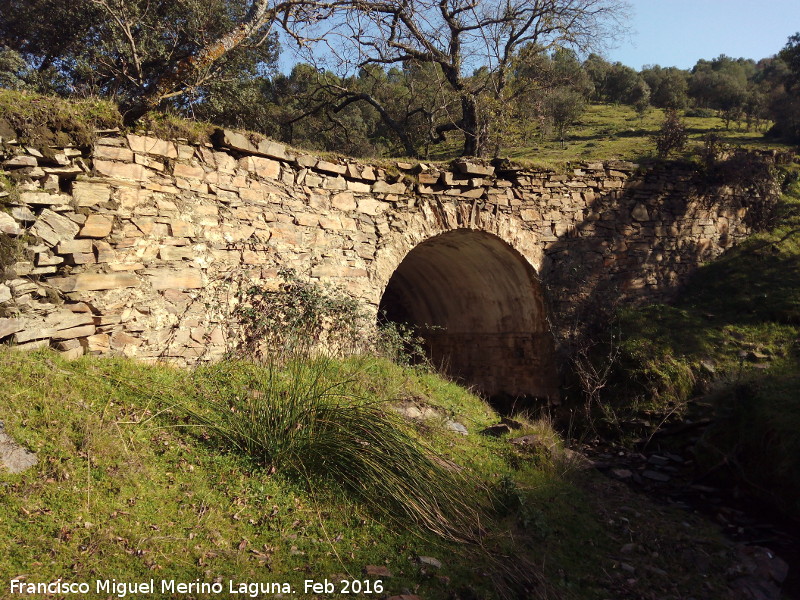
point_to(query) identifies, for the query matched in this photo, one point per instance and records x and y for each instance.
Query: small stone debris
(622, 473)
(496, 430)
(430, 561)
(656, 476)
(456, 426)
(527, 440)
(377, 571)
(14, 457)
(512, 424)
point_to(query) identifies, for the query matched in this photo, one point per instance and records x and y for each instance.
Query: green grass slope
(129, 487)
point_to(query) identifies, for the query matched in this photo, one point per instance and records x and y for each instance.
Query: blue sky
(676, 33)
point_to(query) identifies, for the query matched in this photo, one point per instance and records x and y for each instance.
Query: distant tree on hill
(668, 86)
(785, 102)
(563, 106)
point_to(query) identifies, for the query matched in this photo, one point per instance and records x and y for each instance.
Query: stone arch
(480, 307)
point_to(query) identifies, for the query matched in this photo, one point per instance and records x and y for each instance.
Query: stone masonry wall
(136, 246)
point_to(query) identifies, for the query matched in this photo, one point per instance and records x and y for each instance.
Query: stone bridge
(136, 246)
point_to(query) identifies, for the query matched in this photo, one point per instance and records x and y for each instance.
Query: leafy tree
(459, 36)
(13, 70)
(563, 106)
(639, 97)
(668, 86)
(145, 52)
(785, 102)
(597, 69)
(723, 84)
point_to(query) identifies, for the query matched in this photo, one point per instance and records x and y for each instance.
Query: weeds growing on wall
(46, 121)
(298, 316)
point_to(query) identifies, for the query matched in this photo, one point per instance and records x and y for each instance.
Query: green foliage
(668, 86)
(671, 137)
(12, 69)
(124, 49)
(563, 106)
(785, 104)
(296, 316)
(756, 440)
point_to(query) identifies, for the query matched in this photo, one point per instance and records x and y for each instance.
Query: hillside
(126, 488)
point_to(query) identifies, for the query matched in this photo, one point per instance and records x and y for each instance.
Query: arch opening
(478, 305)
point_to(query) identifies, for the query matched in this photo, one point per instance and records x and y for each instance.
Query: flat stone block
(95, 281)
(74, 332)
(163, 279)
(122, 170)
(44, 199)
(96, 226)
(113, 153)
(85, 193)
(149, 145)
(9, 327)
(188, 171)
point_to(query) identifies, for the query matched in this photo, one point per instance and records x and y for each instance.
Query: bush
(701, 113)
(671, 137)
(297, 316)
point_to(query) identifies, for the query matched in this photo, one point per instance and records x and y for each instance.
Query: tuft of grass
(170, 126)
(303, 423)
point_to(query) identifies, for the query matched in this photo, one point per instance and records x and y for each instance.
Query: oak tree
(462, 36)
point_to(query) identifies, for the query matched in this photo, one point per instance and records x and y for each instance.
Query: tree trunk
(175, 83)
(469, 125)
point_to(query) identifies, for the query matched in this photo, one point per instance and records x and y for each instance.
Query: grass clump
(300, 421)
(170, 126)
